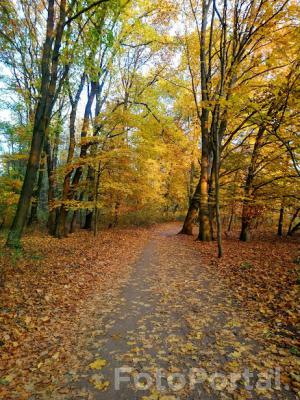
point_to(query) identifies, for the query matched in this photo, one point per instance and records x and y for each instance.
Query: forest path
(173, 316)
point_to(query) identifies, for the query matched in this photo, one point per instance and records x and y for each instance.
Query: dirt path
(178, 334)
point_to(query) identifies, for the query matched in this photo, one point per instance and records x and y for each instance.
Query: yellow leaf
(101, 385)
(98, 364)
(27, 320)
(98, 383)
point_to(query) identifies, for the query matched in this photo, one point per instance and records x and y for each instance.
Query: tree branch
(84, 10)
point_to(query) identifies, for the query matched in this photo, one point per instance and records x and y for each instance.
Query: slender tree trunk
(211, 202)
(204, 225)
(116, 213)
(217, 195)
(51, 168)
(96, 196)
(280, 221)
(231, 218)
(91, 184)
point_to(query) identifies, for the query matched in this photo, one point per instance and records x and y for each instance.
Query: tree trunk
(187, 228)
(88, 220)
(296, 228)
(245, 229)
(36, 194)
(52, 155)
(295, 215)
(211, 202)
(280, 221)
(73, 221)
(231, 218)
(204, 225)
(91, 189)
(19, 221)
(217, 190)
(116, 213)
(246, 212)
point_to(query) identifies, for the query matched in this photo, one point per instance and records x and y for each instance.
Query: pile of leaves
(46, 293)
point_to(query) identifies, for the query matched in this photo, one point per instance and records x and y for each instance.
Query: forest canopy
(132, 112)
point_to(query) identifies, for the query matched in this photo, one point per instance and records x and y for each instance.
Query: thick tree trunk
(245, 229)
(187, 228)
(73, 221)
(88, 224)
(295, 215)
(36, 194)
(19, 221)
(294, 229)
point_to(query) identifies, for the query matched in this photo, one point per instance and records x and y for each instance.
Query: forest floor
(155, 309)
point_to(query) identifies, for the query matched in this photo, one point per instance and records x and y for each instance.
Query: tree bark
(293, 230)
(88, 220)
(280, 221)
(51, 169)
(187, 228)
(231, 218)
(211, 202)
(217, 195)
(295, 215)
(36, 194)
